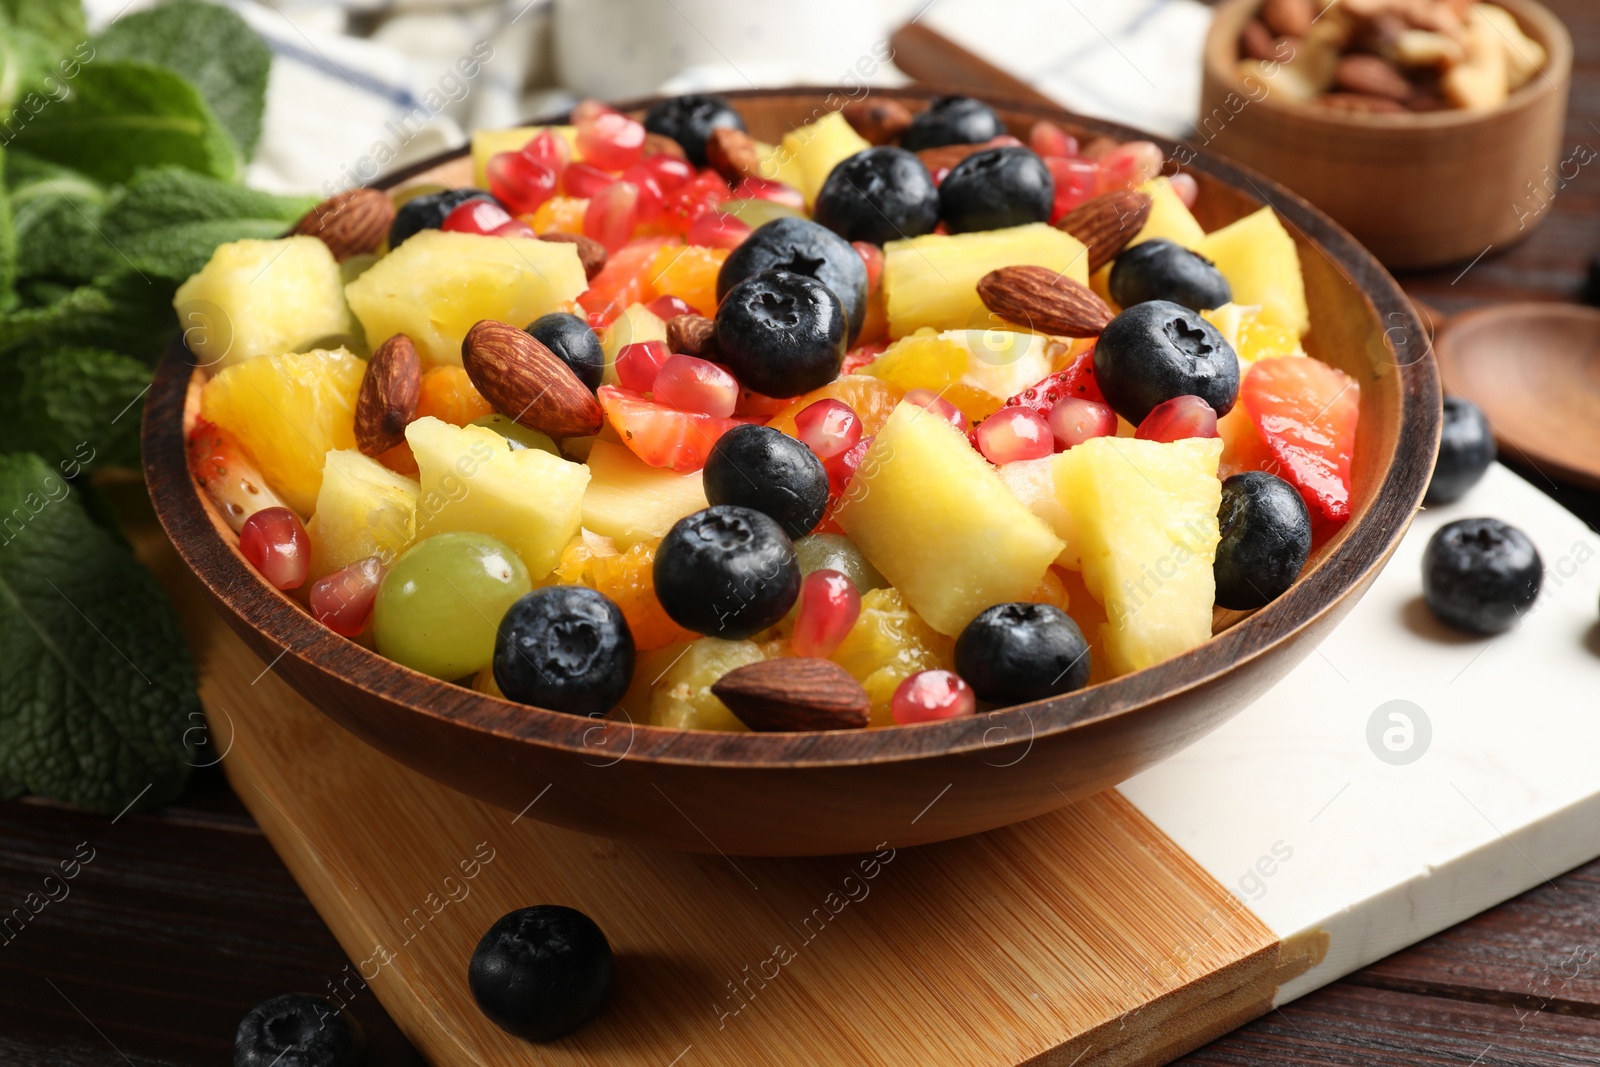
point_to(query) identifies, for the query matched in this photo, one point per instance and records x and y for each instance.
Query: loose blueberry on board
(801, 246)
(1014, 653)
(573, 342)
(566, 648)
(727, 572)
(781, 334)
(298, 1030)
(765, 469)
(1266, 537)
(541, 972)
(1480, 575)
(427, 211)
(690, 119)
(996, 188)
(1158, 350)
(879, 194)
(952, 120)
(1165, 270)
(1466, 448)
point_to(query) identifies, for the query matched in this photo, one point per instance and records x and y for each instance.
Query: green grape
(836, 552)
(441, 601)
(517, 435)
(757, 213)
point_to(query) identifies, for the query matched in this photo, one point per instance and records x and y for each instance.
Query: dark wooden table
(185, 917)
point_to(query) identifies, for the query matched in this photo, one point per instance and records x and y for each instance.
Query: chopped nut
(1423, 48)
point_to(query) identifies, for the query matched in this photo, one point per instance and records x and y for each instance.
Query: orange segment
(628, 579)
(449, 396)
(689, 273)
(872, 398)
(559, 214)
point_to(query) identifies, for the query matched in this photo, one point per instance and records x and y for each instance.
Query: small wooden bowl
(822, 793)
(1419, 190)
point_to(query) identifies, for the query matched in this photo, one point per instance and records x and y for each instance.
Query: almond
(1289, 18)
(877, 121)
(387, 402)
(1256, 41)
(693, 335)
(591, 253)
(1370, 76)
(733, 154)
(527, 382)
(657, 144)
(350, 223)
(1044, 300)
(794, 694)
(1107, 223)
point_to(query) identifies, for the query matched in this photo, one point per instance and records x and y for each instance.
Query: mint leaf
(81, 402)
(25, 60)
(124, 312)
(96, 684)
(29, 323)
(59, 24)
(8, 241)
(56, 213)
(122, 117)
(213, 48)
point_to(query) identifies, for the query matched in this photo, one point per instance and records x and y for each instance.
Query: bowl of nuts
(1431, 129)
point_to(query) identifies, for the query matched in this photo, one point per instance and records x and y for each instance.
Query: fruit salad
(897, 419)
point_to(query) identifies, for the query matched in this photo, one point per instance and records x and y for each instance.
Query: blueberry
(726, 572)
(428, 211)
(801, 246)
(879, 194)
(1158, 350)
(574, 343)
(1014, 653)
(1480, 575)
(767, 470)
(298, 1030)
(781, 334)
(564, 647)
(541, 972)
(1165, 270)
(1466, 448)
(690, 119)
(996, 188)
(1266, 537)
(952, 120)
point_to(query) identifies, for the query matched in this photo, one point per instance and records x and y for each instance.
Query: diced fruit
(888, 644)
(630, 501)
(1169, 218)
(363, 509)
(611, 141)
(1048, 139)
(872, 399)
(626, 578)
(689, 383)
(475, 216)
(934, 517)
(219, 464)
(1051, 590)
(1306, 412)
(551, 149)
(828, 607)
(1074, 421)
(815, 149)
(1077, 182)
(437, 285)
(612, 214)
(638, 364)
(668, 307)
(660, 435)
(1260, 261)
(274, 542)
(1033, 482)
(486, 144)
(682, 697)
(625, 279)
(1130, 164)
(1144, 520)
(585, 180)
(635, 326)
(560, 214)
(262, 298)
(1186, 188)
(717, 230)
(471, 480)
(976, 370)
(521, 183)
(343, 601)
(1252, 336)
(1013, 434)
(289, 411)
(933, 280)
(932, 402)
(1177, 419)
(931, 696)
(689, 272)
(828, 427)
(441, 601)
(1077, 381)
(447, 394)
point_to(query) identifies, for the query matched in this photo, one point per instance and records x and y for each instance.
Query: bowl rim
(1360, 549)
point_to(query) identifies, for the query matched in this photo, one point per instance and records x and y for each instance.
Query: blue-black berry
(541, 972)
(1480, 575)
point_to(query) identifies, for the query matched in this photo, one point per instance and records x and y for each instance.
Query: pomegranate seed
(705, 192)
(829, 427)
(1074, 420)
(828, 607)
(1130, 164)
(938, 175)
(651, 198)
(475, 216)
(612, 213)
(762, 189)
(927, 398)
(342, 601)
(1049, 140)
(551, 149)
(669, 307)
(1178, 419)
(274, 541)
(842, 468)
(671, 173)
(1186, 187)
(638, 364)
(1017, 433)
(862, 356)
(583, 181)
(872, 256)
(714, 229)
(587, 110)
(1077, 181)
(690, 383)
(611, 141)
(1003, 140)
(930, 696)
(520, 183)
(514, 228)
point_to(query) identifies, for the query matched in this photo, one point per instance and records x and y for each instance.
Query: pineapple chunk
(289, 411)
(486, 144)
(635, 325)
(1169, 217)
(776, 163)
(994, 363)
(931, 514)
(437, 285)
(933, 280)
(1033, 481)
(471, 480)
(682, 697)
(817, 147)
(887, 645)
(363, 509)
(1144, 521)
(1259, 259)
(262, 298)
(630, 501)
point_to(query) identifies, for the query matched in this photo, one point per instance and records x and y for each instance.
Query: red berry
(519, 182)
(1074, 420)
(342, 601)
(1050, 141)
(551, 149)
(762, 189)
(829, 427)
(611, 141)
(938, 405)
(929, 696)
(872, 256)
(584, 181)
(612, 214)
(638, 364)
(670, 172)
(475, 216)
(1187, 189)
(1178, 419)
(1012, 434)
(714, 229)
(1077, 181)
(689, 383)
(660, 435)
(274, 541)
(219, 465)
(1076, 381)
(669, 307)
(828, 607)
(842, 468)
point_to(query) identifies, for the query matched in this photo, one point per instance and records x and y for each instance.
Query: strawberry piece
(220, 467)
(625, 279)
(1076, 381)
(660, 435)
(1306, 412)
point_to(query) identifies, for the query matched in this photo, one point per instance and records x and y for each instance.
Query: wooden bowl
(1419, 190)
(822, 793)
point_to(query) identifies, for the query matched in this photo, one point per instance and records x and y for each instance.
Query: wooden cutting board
(1271, 857)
